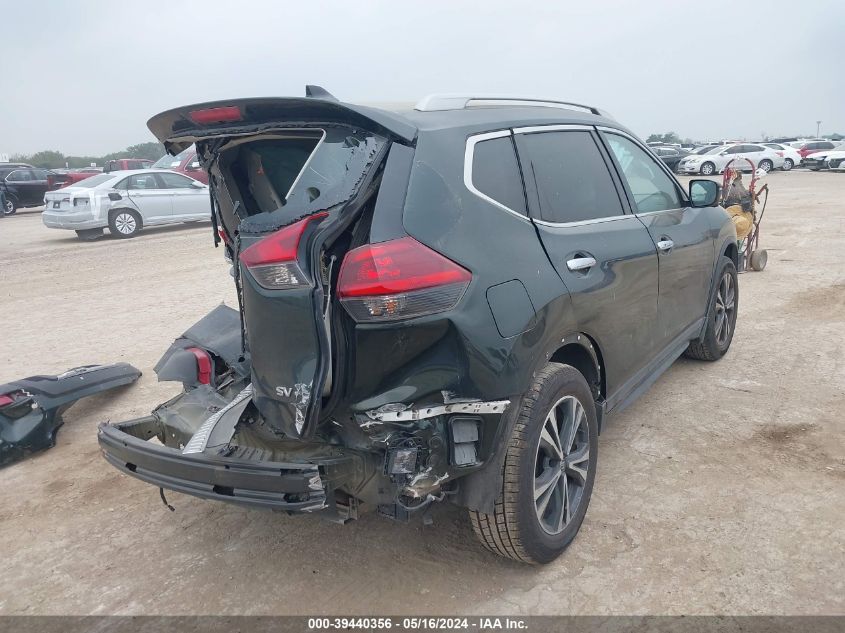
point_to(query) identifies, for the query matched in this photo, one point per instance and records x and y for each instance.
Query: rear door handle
(580, 263)
(665, 244)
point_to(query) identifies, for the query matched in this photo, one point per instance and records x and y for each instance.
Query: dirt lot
(721, 491)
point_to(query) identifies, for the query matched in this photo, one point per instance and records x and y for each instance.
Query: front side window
(495, 173)
(651, 187)
(572, 179)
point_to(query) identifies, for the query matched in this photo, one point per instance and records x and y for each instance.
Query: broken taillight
(204, 365)
(399, 279)
(272, 261)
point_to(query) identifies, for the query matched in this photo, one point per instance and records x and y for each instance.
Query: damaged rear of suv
(405, 333)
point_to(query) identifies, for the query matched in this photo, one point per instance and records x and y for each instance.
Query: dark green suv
(441, 304)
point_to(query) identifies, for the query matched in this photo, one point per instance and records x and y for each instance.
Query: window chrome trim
(554, 127)
(469, 155)
(610, 218)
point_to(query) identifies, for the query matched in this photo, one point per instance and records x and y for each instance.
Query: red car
(120, 164)
(815, 146)
(185, 163)
(75, 175)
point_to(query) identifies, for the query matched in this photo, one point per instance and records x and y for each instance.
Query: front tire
(549, 469)
(721, 316)
(708, 169)
(124, 223)
(11, 207)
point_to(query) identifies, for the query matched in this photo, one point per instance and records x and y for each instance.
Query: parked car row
(715, 159)
(125, 202)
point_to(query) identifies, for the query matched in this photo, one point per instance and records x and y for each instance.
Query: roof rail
(434, 102)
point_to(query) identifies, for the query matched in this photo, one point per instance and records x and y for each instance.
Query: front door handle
(580, 263)
(665, 244)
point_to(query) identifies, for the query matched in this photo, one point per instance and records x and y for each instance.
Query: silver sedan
(715, 160)
(125, 202)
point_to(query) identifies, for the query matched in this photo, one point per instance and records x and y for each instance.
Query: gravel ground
(722, 490)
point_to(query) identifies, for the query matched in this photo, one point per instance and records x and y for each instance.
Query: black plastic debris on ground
(31, 409)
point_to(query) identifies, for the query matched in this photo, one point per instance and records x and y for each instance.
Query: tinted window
(753, 148)
(652, 188)
(735, 149)
(175, 181)
(39, 174)
(21, 175)
(572, 179)
(495, 173)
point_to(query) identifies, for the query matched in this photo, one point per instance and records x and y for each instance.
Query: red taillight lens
(399, 279)
(272, 261)
(779, 154)
(216, 115)
(204, 365)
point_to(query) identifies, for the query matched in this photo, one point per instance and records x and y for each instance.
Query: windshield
(169, 162)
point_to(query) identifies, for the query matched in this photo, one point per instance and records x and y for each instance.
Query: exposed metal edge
(199, 440)
(495, 406)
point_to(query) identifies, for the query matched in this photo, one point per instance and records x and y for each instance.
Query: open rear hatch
(289, 178)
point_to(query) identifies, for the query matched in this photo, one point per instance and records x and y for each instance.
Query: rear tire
(89, 235)
(546, 486)
(708, 169)
(721, 316)
(766, 165)
(788, 164)
(124, 223)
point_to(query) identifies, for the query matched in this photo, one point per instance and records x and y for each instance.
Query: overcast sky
(83, 77)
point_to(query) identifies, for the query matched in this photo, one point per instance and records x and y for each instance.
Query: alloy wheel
(10, 207)
(725, 307)
(561, 464)
(707, 169)
(125, 223)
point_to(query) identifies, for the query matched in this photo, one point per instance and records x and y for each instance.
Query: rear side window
(573, 182)
(21, 175)
(175, 181)
(495, 173)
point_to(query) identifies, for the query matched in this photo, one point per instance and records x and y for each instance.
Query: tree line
(51, 159)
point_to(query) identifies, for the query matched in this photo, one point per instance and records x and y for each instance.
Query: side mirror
(114, 196)
(703, 193)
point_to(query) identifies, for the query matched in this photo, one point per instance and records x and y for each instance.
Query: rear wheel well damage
(479, 490)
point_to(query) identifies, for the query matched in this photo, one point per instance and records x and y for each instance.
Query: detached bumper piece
(31, 409)
(242, 478)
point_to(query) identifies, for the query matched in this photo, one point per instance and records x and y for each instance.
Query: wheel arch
(114, 211)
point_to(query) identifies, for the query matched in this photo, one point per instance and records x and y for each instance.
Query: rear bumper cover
(292, 487)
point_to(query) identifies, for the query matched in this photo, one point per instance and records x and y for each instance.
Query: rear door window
(652, 188)
(495, 173)
(572, 178)
(141, 182)
(174, 181)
